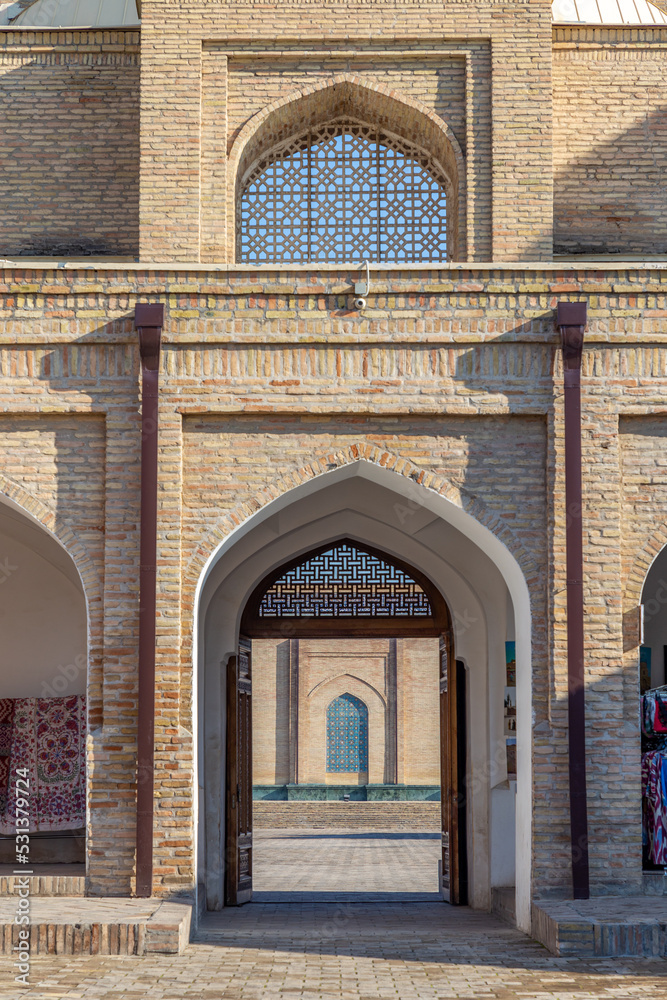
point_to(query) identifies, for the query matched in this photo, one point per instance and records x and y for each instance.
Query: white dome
(606, 12)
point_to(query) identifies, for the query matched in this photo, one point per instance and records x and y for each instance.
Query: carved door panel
(238, 868)
(452, 773)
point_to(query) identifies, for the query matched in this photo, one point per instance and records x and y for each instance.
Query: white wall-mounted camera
(362, 288)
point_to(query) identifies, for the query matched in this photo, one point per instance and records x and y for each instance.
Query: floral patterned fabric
(48, 738)
(6, 718)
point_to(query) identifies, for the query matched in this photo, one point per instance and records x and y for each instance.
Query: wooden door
(238, 852)
(452, 773)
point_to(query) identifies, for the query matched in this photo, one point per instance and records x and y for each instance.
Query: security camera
(360, 303)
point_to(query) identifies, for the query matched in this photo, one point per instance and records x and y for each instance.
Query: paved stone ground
(324, 951)
(335, 865)
(345, 950)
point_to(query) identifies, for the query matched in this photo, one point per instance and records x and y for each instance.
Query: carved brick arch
(348, 95)
(643, 561)
(34, 510)
(213, 538)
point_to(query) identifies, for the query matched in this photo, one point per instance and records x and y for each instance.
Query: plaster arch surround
(43, 616)
(473, 570)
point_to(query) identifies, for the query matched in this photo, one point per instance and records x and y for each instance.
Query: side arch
(32, 508)
(16, 497)
(643, 561)
(372, 103)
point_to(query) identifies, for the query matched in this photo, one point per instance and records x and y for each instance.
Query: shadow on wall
(97, 490)
(610, 195)
(70, 156)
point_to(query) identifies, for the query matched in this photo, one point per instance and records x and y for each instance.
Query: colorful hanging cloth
(654, 805)
(48, 738)
(6, 719)
(654, 711)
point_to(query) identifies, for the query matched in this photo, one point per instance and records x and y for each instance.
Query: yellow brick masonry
(194, 95)
(450, 376)
(610, 140)
(69, 161)
(71, 181)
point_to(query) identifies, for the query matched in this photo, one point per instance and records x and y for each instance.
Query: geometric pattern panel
(347, 734)
(345, 582)
(341, 193)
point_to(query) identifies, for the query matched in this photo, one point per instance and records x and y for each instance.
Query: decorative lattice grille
(347, 734)
(345, 582)
(340, 193)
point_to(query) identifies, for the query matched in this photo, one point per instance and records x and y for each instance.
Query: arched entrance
(43, 671)
(489, 603)
(345, 589)
(653, 712)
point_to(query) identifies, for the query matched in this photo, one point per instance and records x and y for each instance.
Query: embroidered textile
(654, 792)
(6, 717)
(48, 738)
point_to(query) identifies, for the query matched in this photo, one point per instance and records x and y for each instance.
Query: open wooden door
(453, 773)
(238, 813)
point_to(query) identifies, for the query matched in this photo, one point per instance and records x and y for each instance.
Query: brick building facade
(396, 682)
(429, 423)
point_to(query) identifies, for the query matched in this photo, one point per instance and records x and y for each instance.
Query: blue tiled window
(347, 734)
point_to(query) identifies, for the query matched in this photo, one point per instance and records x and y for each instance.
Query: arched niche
(43, 658)
(363, 102)
(43, 616)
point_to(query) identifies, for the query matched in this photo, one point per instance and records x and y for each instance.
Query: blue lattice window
(347, 734)
(345, 582)
(343, 192)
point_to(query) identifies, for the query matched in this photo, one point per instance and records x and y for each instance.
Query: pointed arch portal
(472, 582)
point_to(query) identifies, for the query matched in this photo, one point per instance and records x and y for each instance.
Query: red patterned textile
(48, 738)
(6, 718)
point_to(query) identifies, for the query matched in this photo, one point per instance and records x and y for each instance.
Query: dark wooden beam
(571, 320)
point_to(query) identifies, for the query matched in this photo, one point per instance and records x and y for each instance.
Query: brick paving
(336, 865)
(321, 951)
(349, 950)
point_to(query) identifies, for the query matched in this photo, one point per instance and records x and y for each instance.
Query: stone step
(603, 926)
(95, 925)
(46, 880)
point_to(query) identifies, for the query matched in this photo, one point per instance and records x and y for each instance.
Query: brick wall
(396, 680)
(452, 377)
(347, 815)
(610, 140)
(205, 77)
(69, 162)
(70, 109)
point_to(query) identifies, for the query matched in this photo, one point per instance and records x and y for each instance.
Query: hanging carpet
(47, 743)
